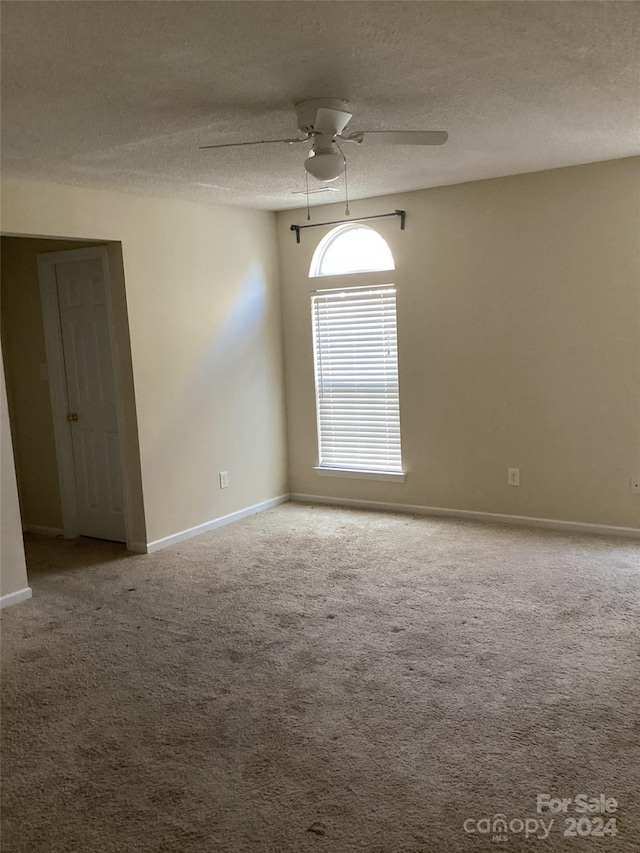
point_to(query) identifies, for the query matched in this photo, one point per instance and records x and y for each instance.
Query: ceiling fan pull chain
(347, 212)
(306, 180)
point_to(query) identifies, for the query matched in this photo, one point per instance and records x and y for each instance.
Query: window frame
(335, 234)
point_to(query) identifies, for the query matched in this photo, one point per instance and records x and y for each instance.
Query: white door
(90, 387)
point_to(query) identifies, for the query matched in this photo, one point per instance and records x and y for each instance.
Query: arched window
(356, 359)
(349, 249)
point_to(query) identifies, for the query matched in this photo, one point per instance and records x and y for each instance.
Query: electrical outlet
(513, 476)
(634, 485)
(224, 479)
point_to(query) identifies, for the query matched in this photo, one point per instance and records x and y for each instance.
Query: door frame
(58, 382)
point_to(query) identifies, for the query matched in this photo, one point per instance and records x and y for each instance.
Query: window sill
(355, 474)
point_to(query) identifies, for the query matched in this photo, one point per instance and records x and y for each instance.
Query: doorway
(67, 355)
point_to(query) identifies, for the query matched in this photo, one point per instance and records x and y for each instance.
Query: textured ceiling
(121, 94)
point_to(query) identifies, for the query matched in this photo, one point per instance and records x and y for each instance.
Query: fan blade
(258, 142)
(400, 137)
(331, 122)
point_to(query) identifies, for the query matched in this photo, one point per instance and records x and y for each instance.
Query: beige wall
(204, 324)
(27, 389)
(519, 344)
(13, 572)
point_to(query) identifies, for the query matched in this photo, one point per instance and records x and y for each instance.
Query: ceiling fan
(323, 121)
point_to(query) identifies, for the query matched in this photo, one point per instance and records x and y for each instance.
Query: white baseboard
(473, 515)
(15, 597)
(211, 525)
(43, 531)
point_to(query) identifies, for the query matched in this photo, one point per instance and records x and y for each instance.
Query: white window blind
(356, 367)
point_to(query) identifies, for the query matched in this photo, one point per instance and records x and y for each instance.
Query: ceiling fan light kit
(325, 166)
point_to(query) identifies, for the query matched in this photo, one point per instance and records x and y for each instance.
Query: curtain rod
(401, 213)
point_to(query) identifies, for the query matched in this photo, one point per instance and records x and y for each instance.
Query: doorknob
(72, 416)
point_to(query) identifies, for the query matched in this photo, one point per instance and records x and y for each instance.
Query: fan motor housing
(306, 111)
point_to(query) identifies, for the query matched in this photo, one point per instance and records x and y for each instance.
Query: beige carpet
(315, 679)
